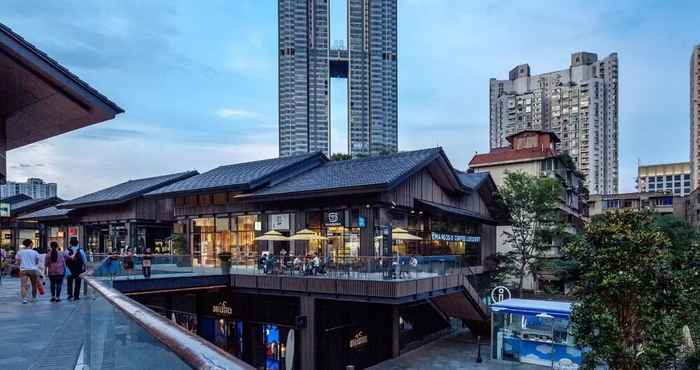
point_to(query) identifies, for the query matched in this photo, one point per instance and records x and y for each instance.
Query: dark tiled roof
(46, 214)
(236, 176)
(126, 191)
(473, 180)
(31, 205)
(15, 198)
(8, 31)
(365, 172)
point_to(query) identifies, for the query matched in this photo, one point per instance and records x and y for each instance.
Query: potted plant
(225, 260)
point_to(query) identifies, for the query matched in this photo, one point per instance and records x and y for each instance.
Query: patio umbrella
(306, 234)
(272, 235)
(398, 233)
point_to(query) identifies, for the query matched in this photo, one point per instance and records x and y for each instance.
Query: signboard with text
(279, 222)
(455, 237)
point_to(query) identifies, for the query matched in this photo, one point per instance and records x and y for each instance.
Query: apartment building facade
(307, 63)
(669, 178)
(34, 188)
(533, 152)
(578, 104)
(659, 202)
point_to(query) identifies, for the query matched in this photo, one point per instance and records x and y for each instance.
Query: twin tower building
(307, 62)
(579, 104)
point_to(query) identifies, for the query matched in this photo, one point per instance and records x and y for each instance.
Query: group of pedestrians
(58, 265)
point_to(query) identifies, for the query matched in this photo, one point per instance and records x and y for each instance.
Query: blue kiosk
(534, 332)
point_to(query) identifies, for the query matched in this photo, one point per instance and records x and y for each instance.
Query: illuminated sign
(222, 309)
(456, 238)
(334, 218)
(359, 339)
(500, 293)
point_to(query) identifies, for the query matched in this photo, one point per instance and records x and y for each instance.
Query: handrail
(196, 351)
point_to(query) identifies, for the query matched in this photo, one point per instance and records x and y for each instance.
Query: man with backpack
(75, 261)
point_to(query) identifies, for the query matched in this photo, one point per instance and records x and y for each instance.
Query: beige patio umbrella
(398, 233)
(272, 235)
(306, 234)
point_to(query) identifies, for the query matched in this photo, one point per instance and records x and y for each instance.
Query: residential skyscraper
(578, 104)
(695, 116)
(34, 187)
(307, 63)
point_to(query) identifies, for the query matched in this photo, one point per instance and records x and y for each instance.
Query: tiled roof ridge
(257, 161)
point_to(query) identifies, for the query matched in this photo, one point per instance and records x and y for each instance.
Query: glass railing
(355, 267)
(121, 333)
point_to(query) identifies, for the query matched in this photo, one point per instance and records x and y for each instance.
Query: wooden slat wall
(423, 186)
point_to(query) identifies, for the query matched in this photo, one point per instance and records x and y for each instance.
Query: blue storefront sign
(361, 221)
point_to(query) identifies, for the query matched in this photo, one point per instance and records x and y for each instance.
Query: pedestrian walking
(28, 259)
(146, 263)
(75, 262)
(128, 262)
(56, 269)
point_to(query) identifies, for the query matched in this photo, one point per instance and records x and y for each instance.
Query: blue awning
(533, 307)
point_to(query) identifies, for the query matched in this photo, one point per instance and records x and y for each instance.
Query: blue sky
(198, 80)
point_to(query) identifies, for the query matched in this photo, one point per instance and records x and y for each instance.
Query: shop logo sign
(359, 339)
(222, 308)
(500, 293)
(334, 218)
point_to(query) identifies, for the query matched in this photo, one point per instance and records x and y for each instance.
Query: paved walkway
(455, 352)
(40, 335)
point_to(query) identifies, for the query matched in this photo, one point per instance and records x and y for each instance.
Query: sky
(198, 80)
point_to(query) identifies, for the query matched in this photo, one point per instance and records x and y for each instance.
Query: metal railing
(123, 333)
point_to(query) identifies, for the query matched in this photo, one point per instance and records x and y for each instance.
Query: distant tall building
(307, 63)
(35, 188)
(670, 178)
(578, 104)
(695, 116)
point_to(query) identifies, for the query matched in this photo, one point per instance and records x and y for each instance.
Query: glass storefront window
(203, 238)
(56, 234)
(245, 238)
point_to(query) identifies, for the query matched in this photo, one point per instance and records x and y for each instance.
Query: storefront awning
(441, 208)
(533, 307)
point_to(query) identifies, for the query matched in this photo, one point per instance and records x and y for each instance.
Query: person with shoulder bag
(76, 266)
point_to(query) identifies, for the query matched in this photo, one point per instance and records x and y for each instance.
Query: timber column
(307, 335)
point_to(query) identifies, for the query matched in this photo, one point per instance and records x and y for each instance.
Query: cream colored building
(533, 152)
(669, 178)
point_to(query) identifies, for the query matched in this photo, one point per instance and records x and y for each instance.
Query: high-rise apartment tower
(307, 63)
(695, 116)
(578, 104)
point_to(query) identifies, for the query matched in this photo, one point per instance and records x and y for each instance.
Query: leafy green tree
(635, 288)
(340, 157)
(535, 220)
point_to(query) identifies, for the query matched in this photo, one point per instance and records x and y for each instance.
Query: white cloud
(232, 113)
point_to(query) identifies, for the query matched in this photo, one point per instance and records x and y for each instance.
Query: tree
(634, 291)
(531, 202)
(340, 157)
